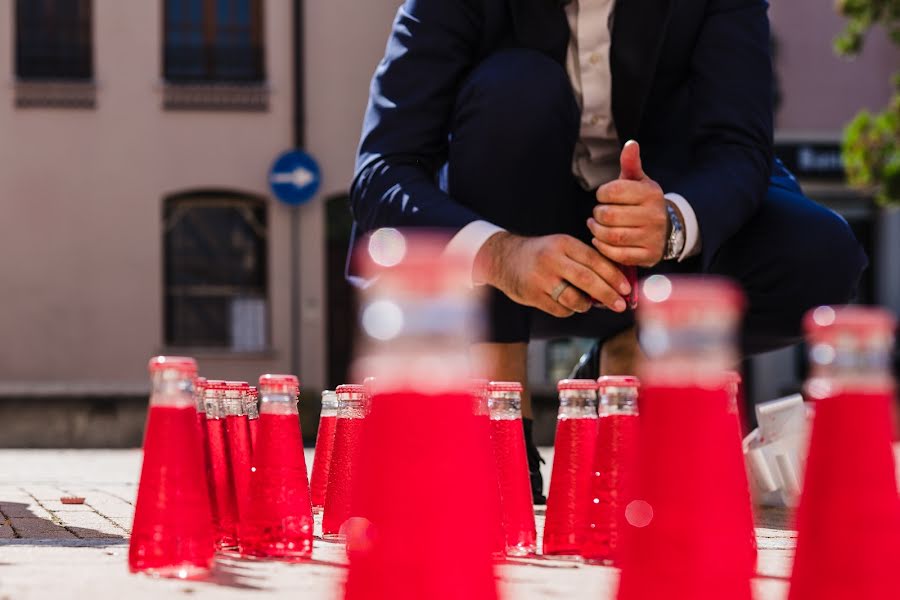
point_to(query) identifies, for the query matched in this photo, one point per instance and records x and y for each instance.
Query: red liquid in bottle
(207, 465)
(223, 484)
(570, 485)
(508, 441)
(483, 433)
(609, 488)
(322, 461)
(238, 433)
(684, 468)
(280, 523)
(338, 497)
(173, 532)
(848, 520)
(411, 443)
(253, 424)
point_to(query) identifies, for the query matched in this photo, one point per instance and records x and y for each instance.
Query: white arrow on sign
(299, 177)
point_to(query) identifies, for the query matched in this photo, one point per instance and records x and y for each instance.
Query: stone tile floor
(53, 550)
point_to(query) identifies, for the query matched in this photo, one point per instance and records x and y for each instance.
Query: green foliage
(871, 148)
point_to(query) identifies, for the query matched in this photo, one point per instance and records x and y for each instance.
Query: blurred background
(136, 140)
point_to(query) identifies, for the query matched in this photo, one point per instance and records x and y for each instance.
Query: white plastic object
(775, 452)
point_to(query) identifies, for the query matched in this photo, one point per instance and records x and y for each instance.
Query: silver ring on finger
(558, 290)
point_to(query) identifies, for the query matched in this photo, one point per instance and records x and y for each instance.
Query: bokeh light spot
(383, 320)
(823, 316)
(657, 288)
(387, 247)
(639, 513)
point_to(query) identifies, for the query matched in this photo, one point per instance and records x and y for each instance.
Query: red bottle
(734, 386)
(420, 448)
(237, 433)
(508, 443)
(570, 481)
(848, 519)
(352, 411)
(220, 467)
(324, 449)
(200, 405)
(280, 523)
(493, 510)
(251, 407)
(612, 468)
(687, 528)
(172, 534)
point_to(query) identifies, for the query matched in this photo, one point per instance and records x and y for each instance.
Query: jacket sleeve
(731, 103)
(432, 46)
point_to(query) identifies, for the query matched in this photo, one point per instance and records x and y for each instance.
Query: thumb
(631, 162)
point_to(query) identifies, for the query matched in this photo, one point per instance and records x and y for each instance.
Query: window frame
(82, 31)
(215, 198)
(209, 28)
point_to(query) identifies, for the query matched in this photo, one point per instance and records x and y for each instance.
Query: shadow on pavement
(20, 526)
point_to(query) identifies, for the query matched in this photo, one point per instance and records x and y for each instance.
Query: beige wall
(81, 193)
(820, 91)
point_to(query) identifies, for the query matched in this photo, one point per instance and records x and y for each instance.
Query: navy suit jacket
(691, 81)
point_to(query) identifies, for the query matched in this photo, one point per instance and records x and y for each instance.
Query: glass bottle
(351, 415)
(172, 534)
(251, 407)
(612, 467)
(220, 467)
(237, 433)
(848, 519)
(421, 454)
(508, 443)
(687, 528)
(324, 449)
(280, 523)
(570, 480)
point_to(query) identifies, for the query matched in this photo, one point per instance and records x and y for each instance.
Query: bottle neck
(213, 403)
(853, 362)
(352, 406)
(329, 406)
(688, 347)
(616, 400)
(233, 404)
(575, 404)
(505, 405)
(278, 404)
(172, 388)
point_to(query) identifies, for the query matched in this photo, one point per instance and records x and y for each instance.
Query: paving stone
(34, 528)
(24, 509)
(6, 531)
(89, 525)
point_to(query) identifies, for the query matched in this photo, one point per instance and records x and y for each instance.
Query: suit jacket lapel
(637, 35)
(541, 25)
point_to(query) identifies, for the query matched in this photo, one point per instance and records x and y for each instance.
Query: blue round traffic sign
(295, 177)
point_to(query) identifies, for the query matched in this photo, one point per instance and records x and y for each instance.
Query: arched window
(215, 271)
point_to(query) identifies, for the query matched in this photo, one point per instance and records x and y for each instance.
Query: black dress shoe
(535, 460)
(588, 366)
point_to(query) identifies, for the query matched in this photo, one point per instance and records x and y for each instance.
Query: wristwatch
(676, 240)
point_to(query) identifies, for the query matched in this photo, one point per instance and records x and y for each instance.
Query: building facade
(135, 143)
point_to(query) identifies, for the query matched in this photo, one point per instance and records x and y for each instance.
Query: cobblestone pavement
(49, 549)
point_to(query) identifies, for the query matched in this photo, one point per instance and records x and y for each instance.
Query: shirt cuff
(692, 242)
(469, 240)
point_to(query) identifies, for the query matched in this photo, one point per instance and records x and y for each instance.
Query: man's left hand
(630, 223)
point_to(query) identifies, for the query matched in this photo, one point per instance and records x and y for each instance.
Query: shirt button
(595, 58)
(594, 119)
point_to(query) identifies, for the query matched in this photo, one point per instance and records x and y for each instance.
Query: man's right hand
(529, 269)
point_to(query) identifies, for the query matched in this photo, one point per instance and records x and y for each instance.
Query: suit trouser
(512, 136)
